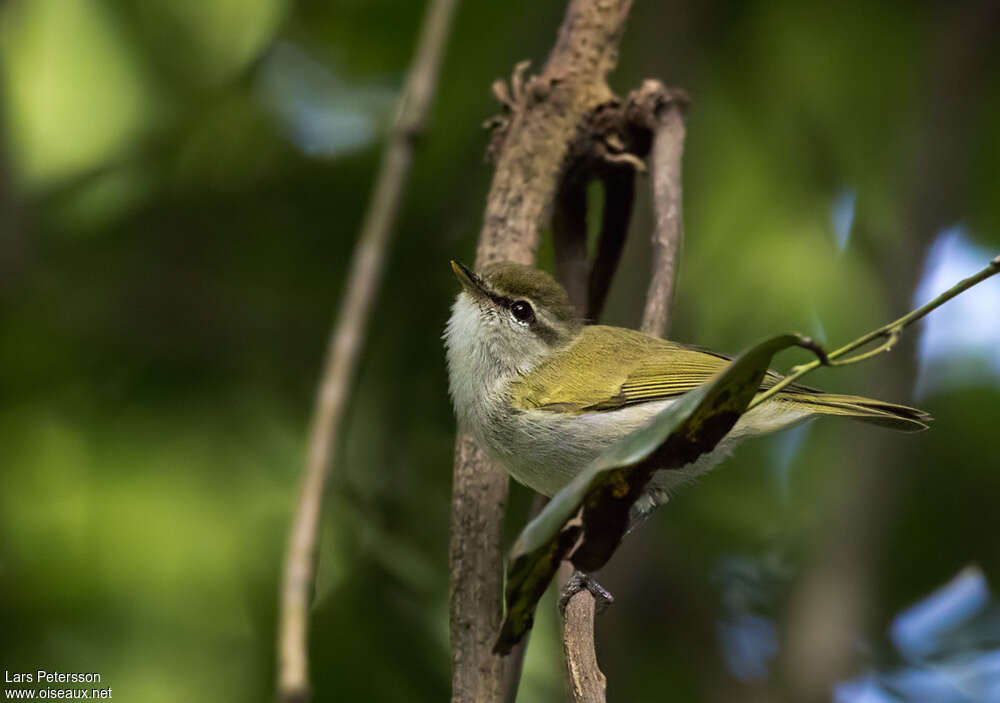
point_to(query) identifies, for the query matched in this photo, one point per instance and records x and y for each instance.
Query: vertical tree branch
(584, 679)
(660, 111)
(586, 283)
(587, 286)
(546, 113)
(346, 342)
(569, 239)
(586, 682)
(619, 195)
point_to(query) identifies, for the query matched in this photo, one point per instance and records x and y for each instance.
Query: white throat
(485, 353)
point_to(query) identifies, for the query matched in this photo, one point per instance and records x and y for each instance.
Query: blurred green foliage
(173, 241)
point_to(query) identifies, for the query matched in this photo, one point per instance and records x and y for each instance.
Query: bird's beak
(469, 280)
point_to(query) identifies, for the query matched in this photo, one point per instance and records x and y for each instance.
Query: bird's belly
(545, 450)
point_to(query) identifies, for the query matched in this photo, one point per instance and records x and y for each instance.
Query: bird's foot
(580, 581)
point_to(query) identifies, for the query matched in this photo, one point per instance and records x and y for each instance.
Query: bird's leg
(580, 581)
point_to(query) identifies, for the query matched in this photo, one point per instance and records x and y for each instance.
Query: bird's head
(511, 315)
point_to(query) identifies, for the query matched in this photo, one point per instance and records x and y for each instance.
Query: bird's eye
(522, 312)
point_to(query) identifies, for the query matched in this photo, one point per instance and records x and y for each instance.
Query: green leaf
(608, 487)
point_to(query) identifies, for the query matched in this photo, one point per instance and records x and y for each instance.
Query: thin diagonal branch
(346, 342)
(891, 331)
(831, 605)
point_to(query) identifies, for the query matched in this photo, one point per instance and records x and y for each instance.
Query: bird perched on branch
(544, 394)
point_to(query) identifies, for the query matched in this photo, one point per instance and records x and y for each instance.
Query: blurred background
(181, 184)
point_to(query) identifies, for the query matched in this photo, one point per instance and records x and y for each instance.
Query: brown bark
(585, 680)
(345, 345)
(667, 108)
(569, 239)
(619, 196)
(530, 145)
(655, 110)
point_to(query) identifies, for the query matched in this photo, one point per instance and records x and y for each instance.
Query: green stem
(891, 330)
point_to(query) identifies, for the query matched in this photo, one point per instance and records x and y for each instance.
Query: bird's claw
(580, 581)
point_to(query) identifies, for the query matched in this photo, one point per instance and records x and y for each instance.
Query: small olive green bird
(544, 394)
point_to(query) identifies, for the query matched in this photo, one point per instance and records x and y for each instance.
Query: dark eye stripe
(501, 300)
(547, 333)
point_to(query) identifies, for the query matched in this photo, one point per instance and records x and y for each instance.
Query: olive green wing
(610, 367)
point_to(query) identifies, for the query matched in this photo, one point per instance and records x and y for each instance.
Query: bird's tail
(875, 412)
